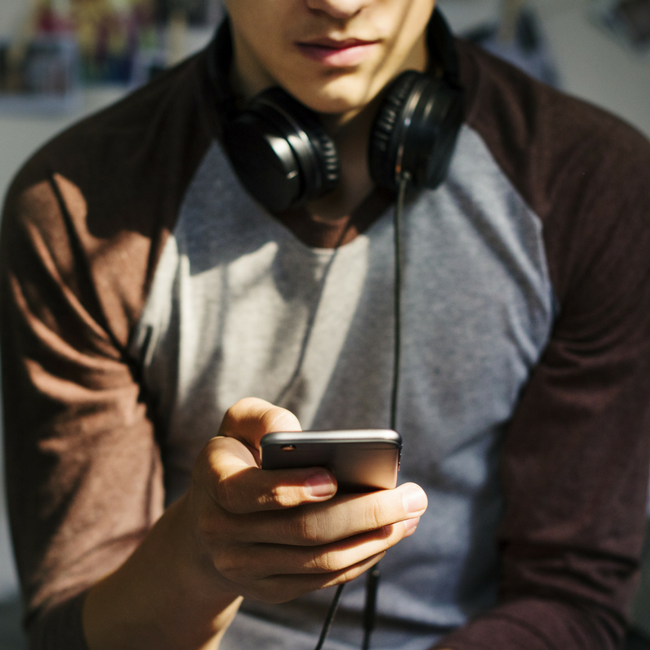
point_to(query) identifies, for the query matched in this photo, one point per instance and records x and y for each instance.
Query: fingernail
(411, 525)
(319, 485)
(414, 500)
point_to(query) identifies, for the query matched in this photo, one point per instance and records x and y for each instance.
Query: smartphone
(362, 460)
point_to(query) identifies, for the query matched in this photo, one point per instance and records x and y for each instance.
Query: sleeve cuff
(60, 627)
(533, 624)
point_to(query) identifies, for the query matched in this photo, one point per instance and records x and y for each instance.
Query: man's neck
(351, 136)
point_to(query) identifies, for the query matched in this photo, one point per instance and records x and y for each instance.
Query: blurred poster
(195, 12)
(109, 33)
(66, 42)
(627, 20)
(40, 76)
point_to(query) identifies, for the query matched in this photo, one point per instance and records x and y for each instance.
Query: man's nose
(338, 9)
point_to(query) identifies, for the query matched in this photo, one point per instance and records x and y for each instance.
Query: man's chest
(241, 307)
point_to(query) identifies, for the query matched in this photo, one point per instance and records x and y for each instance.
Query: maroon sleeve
(83, 471)
(577, 453)
(83, 227)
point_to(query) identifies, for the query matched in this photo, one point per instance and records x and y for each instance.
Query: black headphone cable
(404, 180)
(372, 580)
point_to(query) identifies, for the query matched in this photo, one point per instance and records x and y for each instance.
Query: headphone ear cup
(381, 150)
(326, 156)
(415, 131)
(280, 151)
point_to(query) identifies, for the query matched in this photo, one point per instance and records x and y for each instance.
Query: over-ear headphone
(284, 157)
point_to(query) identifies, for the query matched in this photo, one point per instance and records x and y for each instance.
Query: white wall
(12, 13)
(593, 65)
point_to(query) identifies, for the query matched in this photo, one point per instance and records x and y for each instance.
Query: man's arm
(576, 456)
(575, 476)
(85, 475)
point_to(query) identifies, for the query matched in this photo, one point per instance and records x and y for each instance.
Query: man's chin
(333, 101)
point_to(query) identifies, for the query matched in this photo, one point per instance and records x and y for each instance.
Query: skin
(240, 531)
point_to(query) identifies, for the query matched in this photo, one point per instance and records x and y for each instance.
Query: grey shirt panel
(236, 296)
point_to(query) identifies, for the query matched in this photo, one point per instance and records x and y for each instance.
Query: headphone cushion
(381, 157)
(292, 117)
(330, 166)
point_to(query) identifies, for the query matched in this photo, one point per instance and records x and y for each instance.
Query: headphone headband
(220, 55)
(440, 42)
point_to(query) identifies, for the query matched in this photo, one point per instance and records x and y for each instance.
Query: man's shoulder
(97, 203)
(581, 170)
(545, 140)
(149, 132)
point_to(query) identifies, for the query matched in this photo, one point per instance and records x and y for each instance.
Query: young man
(145, 293)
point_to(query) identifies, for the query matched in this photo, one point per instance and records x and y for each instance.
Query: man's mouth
(337, 54)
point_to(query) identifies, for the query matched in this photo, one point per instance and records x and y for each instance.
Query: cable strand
(372, 581)
(370, 609)
(397, 287)
(330, 616)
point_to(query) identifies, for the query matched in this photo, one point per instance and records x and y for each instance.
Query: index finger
(252, 418)
(228, 473)
(237, 483)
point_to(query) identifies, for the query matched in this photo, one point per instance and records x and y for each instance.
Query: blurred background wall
(573, 43)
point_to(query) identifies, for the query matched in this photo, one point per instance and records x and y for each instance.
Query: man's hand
(275, 535)
(242, 531)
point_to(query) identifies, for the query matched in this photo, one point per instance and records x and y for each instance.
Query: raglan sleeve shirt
(83, 227)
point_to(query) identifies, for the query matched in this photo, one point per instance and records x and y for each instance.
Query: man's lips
(336, 54)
